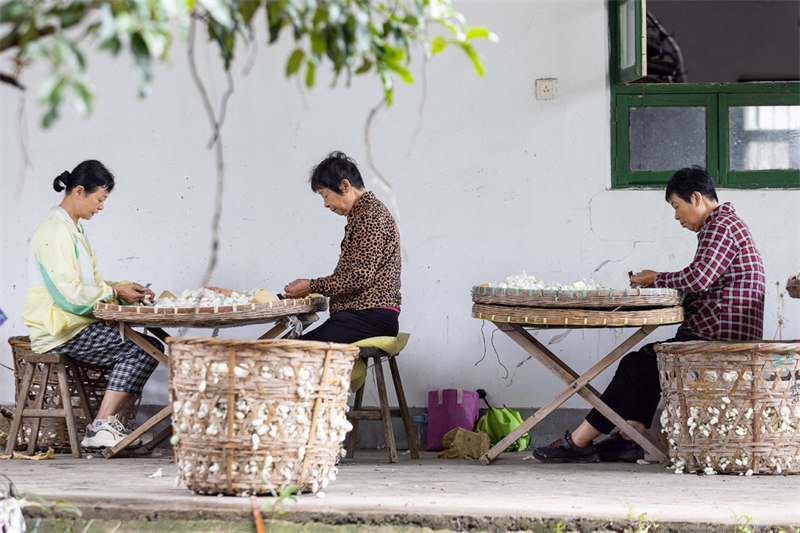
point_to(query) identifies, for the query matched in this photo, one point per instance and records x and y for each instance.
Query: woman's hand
(299, 288)
(133, 292)
(645, 278)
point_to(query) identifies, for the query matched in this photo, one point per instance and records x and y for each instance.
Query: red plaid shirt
(725, 283)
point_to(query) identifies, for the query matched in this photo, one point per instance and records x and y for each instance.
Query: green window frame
(716, 98)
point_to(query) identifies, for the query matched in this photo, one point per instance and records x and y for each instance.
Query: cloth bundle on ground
(497, 423)
(460, 443)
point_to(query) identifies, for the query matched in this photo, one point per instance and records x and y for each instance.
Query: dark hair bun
(62, 181)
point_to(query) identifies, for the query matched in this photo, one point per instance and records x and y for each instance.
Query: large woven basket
(596, 299)
(53, 431)
(732, 407)
(253, 417)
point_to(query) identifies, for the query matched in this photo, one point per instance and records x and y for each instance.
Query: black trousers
(352, 325)
(635, 390)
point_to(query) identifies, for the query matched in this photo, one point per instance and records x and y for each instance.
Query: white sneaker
(107, 435)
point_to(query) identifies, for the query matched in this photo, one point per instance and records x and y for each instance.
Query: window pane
(627, 28)
(667, 138)
(764, 137)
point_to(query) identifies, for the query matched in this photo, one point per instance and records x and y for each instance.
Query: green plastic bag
(497, 423)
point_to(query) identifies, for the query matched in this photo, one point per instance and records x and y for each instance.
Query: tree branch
(212, 263)
(11, 80)
(13, 40)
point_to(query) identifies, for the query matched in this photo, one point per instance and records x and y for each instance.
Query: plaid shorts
(99, 344)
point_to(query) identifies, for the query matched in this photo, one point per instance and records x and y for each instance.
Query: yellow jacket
(63, 282)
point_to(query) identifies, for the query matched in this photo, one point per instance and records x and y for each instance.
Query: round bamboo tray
(732, 407)
(600, 299)
(254, 417)
(208, 317)
(550, 317)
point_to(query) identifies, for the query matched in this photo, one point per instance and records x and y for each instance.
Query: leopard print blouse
(368, 272)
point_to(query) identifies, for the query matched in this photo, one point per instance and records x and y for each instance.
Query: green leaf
(70, 15)
(402, 71)
(84, 99)
(311, 68)
(13, 10)
(247, 9)
(388, 87)
(473, 55)
(438, 44)
(478, 33)
(295, 60)
(365, 66)
(317, 43)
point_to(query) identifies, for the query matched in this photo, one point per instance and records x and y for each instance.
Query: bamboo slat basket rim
(701, 347)
(219, 316)
(599, 298)
(550, 317)
(277, 343)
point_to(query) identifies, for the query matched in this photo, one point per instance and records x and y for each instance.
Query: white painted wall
(489, 180)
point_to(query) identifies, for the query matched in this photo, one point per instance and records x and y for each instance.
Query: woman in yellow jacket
(63, 286)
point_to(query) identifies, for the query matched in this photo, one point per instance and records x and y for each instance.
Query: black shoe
(617, 449)
(565, 451)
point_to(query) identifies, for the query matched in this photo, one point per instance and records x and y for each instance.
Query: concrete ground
(515, 492)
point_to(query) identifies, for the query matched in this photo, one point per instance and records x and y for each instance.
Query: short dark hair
(91, 174)
(330, 172)
(689, 180)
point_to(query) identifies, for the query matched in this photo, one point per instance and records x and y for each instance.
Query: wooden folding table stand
(566, 309)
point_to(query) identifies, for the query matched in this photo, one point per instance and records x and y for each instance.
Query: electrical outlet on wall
(546, 88)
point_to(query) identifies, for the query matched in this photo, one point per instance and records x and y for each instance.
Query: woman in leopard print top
(364, 288)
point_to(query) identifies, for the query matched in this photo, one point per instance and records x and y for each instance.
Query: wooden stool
(44, 364)
(377, 349)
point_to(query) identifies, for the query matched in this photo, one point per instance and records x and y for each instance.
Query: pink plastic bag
(448, 409)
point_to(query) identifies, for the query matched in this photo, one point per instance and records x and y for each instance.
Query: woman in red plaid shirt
(724, 290)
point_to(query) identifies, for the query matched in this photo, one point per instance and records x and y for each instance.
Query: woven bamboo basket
(596, 299)
(793, 287)
(732, 407)
(208, 317)
(53, 431)
(253, 417)
(543, 317)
